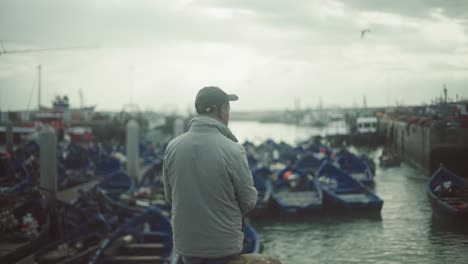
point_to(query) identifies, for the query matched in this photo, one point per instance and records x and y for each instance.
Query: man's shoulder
(174, 142)
(233, 147)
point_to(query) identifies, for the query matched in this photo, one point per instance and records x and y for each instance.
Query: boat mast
(39, 69)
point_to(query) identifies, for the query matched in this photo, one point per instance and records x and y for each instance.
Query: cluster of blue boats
(118, 220)
(310, 179)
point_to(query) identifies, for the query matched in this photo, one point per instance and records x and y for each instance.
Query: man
(208, 182)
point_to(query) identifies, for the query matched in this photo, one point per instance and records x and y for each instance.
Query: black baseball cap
(209, 96)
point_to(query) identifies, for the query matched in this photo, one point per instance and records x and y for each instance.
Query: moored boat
(309, 162)
(448, 195)
(343, 192)
(357, 167)
(261, 177)
(296, 192)
(116, 184)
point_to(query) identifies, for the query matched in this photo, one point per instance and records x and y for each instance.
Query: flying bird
(363, 32)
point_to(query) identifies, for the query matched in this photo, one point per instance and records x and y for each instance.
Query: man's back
(209, 184)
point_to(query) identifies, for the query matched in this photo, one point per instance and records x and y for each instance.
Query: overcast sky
(158, 54)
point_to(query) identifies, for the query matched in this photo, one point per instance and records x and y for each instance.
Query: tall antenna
(445, 93)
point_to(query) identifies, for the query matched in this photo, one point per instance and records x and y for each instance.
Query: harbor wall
(427, 147)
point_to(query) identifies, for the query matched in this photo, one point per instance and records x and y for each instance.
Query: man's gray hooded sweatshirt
(208, 182)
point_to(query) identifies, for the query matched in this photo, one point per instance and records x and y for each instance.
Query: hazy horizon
(158, 54)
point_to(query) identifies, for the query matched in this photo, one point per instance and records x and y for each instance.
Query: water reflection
(447, 240)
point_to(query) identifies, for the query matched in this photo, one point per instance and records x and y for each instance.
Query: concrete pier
(427, 147)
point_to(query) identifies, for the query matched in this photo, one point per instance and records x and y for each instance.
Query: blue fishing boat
(261, 177)
(286, 153)
(252, 161)
(105, 164)
(116, 184)
(448, 195)
(318, 148)
(343, 192)
(309, 162)
(357, 167)
(146, 238)
(252, 243)
(296, 192)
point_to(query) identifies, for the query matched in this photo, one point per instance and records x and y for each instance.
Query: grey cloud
(414, 8)
(287, 49)
(55, 22)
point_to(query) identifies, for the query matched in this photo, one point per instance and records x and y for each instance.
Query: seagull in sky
(363, 32)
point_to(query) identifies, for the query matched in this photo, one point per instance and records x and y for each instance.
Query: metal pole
(132, 149)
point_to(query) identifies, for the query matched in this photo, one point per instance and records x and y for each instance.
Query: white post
(178, 127)
(9, 137)
(48, 164)
(132, 143)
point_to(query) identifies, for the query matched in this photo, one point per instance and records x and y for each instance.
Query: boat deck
(300, 198)
(356, 197)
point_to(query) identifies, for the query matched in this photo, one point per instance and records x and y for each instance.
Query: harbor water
(404, 232)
